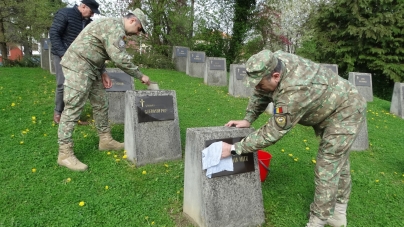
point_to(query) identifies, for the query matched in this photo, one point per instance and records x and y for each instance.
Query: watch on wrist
(233, 150)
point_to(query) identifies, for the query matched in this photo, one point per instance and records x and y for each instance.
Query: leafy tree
(362, 36)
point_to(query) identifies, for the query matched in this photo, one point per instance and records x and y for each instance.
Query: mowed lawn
(35, 191)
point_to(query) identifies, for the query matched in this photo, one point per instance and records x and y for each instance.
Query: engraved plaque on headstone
(181, 52)
(240, 73)
(217, 64)
(333, 67)
(154, 108)
(198, 57)
(241, 163)
(120, 81)
(46, 44)
(362, 80)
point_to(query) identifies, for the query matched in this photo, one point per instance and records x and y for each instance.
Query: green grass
(47, 198)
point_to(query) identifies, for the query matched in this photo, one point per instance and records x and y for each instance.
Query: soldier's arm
(115, 47)
(256, 106)
(56, 32)
(291, 106)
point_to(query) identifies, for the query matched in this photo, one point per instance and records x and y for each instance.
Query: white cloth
(211, 160)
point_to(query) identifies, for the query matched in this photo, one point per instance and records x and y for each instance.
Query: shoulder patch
(281, 121)
(120, 43)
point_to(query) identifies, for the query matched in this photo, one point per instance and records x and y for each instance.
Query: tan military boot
(66, 158)
(108, 144)
(315, 222)
(339, 217)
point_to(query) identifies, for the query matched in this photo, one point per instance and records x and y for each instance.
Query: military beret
(142, 17)
(260, 65)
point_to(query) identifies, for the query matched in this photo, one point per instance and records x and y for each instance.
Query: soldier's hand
(238, 124)
(145, 80)
(106, 81)
(225, 150)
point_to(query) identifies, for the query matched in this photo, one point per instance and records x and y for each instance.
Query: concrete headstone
(333, 67)
(180, 58)
(227, 199)
(196, 64)
(45, 53)
(152, 132)
(237, 82)
(215, 72)
(121, 82)
(397, 101)
(361, 142)
(363, 82)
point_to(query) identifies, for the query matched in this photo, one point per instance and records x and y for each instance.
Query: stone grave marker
(152, 132)
(397, 101)
(228, 198)
(333, 67)
(215, 72)
(363, 82)
(196, 64)
(180, 58)
(121, 82)
(361, 142)
(45, 53)
(237, 82)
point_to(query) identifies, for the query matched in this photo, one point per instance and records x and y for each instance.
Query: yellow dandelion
(106, 187)
(313, 161)
(291, 155)
(12, 135)
(377, 181)
(21, 142)
(33, 170)
(144, 172)
(85, 135)
(82, 203)
(115, 156)
(305, 141)
(178, 192)
(124, 156)
(166, 165)
(152, 222)
(33, 122)
(296, 159)
(307, 148)
(117, 160)
(382, 173)
(124, 151)
(108, 153)
(24, 132)
(53, 124)
(68, 179)
(12, 104)
(283, 150)
(395, 172)
(45, 134)
(33, 118)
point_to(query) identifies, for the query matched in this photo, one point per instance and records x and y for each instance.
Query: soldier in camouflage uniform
(304, 92)
(83, 62)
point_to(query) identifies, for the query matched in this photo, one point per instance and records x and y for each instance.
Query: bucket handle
(263, 165)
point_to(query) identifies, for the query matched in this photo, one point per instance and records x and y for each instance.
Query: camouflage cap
(142, 17)
(260, 65)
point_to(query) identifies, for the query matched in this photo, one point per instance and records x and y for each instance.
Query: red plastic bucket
(264, 159)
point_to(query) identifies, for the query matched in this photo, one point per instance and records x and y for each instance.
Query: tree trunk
(3, 44)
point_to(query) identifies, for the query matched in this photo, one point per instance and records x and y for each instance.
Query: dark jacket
(67, 25)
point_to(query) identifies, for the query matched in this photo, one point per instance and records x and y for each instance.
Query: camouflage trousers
(332, 171)
(75, 97)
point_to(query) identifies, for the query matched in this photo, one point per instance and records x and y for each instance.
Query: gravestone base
(148, 137)
(397, 101)
(180, 58)
(195, 66)
(215, 72)
(116, 95)
(222, 201)
(237, 82)
(361, 142)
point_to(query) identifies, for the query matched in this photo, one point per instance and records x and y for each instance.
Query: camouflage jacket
(307, 94)
(101, 40)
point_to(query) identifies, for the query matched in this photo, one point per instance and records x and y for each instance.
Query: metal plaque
(333, 68)
(217, 64)
(241, 73)
(181, 52)
(154, 108)
(198, 57)
(46, 44)
(362, 80)
(120, 81)
(241, 163)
